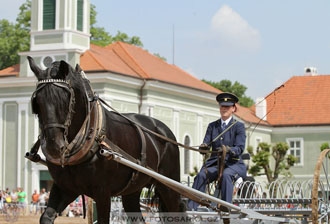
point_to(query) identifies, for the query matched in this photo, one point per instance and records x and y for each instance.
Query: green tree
(158, 55)
(261, 160)
(236, 88)
(324, 146)
(15, 37)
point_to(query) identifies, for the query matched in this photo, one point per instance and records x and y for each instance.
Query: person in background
(1, 200)
(13, 196)
(21, 198)
(43, 198)
(35, 202)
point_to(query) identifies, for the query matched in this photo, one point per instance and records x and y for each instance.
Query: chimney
(261, 108)
(310, 71)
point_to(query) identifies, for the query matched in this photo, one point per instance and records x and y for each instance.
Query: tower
(60, 30)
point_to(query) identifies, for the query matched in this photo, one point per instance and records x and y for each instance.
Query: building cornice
(59, 31)
(57, 51)
(18, 82)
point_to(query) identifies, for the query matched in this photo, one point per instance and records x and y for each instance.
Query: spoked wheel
(321, 189)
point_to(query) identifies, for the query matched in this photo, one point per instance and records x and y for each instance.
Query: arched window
(187, 155)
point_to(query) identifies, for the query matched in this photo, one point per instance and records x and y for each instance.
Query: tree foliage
(236, 88)
(324, 146)
(161, 57)
(261, 160)
(15, 38)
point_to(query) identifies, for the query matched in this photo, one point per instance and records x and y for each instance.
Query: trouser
(229, 176)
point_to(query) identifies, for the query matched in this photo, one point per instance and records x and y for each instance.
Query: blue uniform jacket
(234, 138)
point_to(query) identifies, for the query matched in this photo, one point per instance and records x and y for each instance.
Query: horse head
(54, 101)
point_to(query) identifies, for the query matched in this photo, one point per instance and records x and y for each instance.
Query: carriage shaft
(176, 185)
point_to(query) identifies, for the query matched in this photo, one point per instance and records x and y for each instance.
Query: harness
(83, 145)
(91, 136)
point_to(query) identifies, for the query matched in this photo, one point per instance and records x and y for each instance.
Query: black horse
(73, 125)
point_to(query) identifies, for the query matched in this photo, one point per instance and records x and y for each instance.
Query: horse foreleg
(57, 202)
(132, 208)
(103, 206)
(171, 207)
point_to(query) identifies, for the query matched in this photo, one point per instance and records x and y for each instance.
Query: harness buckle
(99, 139)
(96, 97)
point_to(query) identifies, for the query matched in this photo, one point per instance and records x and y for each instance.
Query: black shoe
(223, 208)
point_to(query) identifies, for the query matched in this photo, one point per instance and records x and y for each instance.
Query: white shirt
(226, 121)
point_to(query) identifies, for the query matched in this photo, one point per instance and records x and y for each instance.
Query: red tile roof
(134, 61)
(304, 100)
(10, 71)
(248, 115)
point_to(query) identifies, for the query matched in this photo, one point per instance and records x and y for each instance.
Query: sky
(260, 44)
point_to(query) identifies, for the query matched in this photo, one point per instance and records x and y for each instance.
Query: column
(200, 137)
(35, 180)
(176, 122)
(23, 105)
(151, 110)
(176, 131)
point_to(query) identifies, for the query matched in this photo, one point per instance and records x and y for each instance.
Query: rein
(155, 133)
(185, 146)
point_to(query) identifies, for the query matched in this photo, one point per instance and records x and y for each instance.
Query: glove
(222, 148)
(203, 146)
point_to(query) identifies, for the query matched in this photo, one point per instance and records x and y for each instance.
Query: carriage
(102, 154)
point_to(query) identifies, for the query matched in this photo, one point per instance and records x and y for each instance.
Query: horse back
(162, 155)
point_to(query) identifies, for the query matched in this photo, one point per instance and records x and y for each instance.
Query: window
(186, 155)
(49, 14)
(80, 14)
(296, 149)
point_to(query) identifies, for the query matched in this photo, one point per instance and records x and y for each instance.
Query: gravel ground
(34, 219)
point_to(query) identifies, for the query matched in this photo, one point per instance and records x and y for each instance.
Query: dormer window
(49, 7)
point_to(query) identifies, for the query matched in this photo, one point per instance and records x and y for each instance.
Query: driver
(234, 140)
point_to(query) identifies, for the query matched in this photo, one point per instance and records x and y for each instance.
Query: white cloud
(233, 30)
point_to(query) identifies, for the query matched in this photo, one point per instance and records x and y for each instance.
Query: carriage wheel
(321, 187)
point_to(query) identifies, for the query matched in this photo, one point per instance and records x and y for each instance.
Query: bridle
(84, 144)
(66, 86)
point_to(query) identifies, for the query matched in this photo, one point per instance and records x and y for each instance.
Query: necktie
(223, 125)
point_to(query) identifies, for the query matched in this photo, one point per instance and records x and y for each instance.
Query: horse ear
(81, 72)
(63, 70)
(78, 68)
(34, 67)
